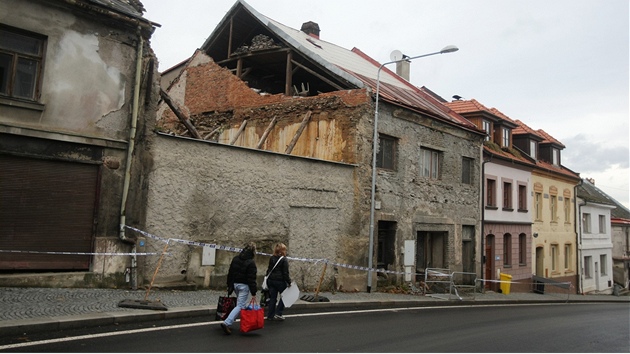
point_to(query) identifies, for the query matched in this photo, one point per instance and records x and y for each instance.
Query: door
(540, 261)
(489, 254)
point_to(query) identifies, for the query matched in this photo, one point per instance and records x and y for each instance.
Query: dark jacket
(243, 270)
(281, 272)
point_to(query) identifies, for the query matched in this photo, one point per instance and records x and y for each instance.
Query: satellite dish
(396, 55)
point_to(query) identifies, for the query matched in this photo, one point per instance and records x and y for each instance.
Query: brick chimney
(311, 28)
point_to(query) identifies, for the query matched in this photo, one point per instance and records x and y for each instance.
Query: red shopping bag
(252, 317)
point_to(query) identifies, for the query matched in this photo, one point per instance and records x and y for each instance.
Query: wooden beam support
(307, 117)
(240, 130)
(180, 113)
(266, 133)
(288, 81)
(318, 75)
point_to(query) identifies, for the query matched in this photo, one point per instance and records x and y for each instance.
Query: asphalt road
(599, 327)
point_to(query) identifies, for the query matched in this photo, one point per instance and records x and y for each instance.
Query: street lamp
(447, 49)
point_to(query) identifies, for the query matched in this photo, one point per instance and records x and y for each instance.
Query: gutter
(132, 141)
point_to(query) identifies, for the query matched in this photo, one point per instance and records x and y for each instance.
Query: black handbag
(265, 298)
(224, 307)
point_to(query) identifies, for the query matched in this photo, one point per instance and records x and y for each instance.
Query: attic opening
(266, 62)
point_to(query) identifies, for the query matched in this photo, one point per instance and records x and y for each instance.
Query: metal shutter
(47, 206)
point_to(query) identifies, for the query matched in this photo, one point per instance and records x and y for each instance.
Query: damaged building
(265, 134)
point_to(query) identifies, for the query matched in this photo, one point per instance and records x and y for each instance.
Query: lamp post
(447, 49)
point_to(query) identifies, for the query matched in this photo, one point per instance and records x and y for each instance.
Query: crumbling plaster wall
(420, 204)
(227, 195)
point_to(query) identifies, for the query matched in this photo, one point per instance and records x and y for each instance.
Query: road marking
(164, 328)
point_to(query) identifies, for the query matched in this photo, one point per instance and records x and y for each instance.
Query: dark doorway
(468, 254)
(386, 255)
(431, 250)
(489, 253)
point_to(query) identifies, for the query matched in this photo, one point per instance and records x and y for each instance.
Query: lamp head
(449, 49)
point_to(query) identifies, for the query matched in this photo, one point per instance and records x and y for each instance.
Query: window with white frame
(556, 156)
(553, 204)
(487, 128)
(603, 264)
(533, 149)
(505, 137)
(567, 210)
(567, 256)
(602, 224)
(21, 57)
(588, 267)
(586, 223)
(538, 205)
(429, 163)
(554, 258)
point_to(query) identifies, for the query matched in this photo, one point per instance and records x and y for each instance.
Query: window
(487, 129)
(505, 138)
(567, 257)
(553, 200)
(507, 250)
(522, 249)
(467, 169)
(533, 149)
(491, 192)
(538, 205)
(586, 223)
(429, 163)
(588, 267)
(20, 63)
(386, 156)
(556, 157)
(507, 195)
(567, 210)
(602, 264)
(554, 258)
(522, 197)
(602, 224)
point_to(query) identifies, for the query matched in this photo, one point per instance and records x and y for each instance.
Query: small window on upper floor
(429, 163)
(487, 128)
(467, 170)
(386, 156)
(533, 149)
(505, 137)
(556, 157)
(21, 56)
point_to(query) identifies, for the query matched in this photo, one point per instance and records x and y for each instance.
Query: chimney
(311, 28)
(402, 68)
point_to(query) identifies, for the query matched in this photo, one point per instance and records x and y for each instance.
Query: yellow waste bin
(506, 280)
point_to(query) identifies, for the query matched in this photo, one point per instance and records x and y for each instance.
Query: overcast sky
(560, 66)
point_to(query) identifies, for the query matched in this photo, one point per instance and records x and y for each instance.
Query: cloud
(584, 156)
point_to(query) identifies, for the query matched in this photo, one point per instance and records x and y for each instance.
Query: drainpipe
(132, 140)
(578, 237)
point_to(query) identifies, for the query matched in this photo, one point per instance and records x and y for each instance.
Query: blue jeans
(275, 287)
(242, 294)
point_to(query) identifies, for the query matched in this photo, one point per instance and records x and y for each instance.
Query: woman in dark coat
(241, 279)
(277, 281)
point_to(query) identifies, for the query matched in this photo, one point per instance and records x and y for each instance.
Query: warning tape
(237, 249)
(84, 253)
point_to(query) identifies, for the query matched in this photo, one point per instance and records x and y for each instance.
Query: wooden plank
(240, 130)
(266, 133)
(288, 80)
(180, 113)
(318, 75)
(307, 117)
